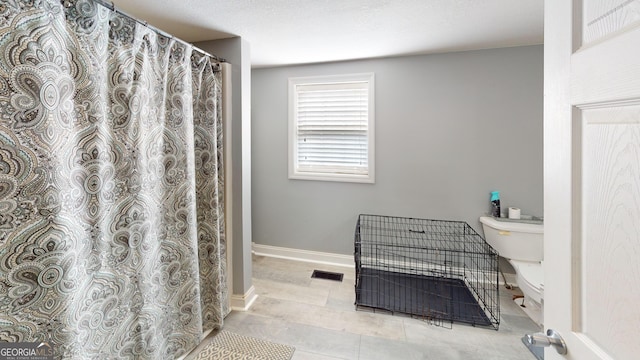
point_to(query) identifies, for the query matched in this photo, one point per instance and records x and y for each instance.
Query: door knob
(551, 338)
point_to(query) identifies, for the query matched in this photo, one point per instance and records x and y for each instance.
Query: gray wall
(450, 128)
(236, 51)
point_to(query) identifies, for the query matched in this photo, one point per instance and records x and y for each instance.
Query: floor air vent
(327, 275)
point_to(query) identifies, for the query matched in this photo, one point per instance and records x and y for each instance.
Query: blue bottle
(495, 204)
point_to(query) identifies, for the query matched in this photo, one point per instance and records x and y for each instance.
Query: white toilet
(522, 245)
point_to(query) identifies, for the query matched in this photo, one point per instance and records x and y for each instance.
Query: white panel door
(592, 177)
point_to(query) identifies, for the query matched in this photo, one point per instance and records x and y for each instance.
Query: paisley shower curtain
(111, 194)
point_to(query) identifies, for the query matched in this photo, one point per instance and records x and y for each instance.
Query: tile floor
(318, 318)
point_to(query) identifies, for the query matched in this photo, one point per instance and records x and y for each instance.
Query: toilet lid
(532, 273)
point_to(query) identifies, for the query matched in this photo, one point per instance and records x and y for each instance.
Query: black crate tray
(429, 297)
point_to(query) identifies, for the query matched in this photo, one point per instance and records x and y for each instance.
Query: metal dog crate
(442, 271)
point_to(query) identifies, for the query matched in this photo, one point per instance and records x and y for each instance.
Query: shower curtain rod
(111, 6)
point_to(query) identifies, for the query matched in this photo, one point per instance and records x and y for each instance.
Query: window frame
(294, 172)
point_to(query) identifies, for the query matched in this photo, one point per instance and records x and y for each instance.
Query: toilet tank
(514, 240)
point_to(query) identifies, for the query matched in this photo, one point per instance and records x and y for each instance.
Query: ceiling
(283, 32)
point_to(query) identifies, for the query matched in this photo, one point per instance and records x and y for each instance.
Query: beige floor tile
(318, 317)
(362, 323)
(303, 294)
(303, 355)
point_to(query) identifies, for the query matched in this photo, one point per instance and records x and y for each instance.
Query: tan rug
(227, 345)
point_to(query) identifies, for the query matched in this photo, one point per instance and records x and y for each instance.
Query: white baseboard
(303, 255)
(328, 258)
(244, 302)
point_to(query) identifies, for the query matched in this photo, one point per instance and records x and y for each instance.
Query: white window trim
(306, 175)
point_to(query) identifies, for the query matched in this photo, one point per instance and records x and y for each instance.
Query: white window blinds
(332, 128)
